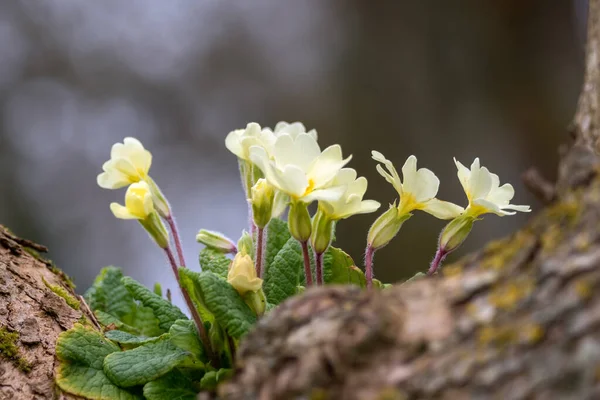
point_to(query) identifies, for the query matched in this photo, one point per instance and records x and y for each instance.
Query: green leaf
(417, 276)
(214, 261)
(277, 236)
(107, 319)
(339, 268)
(212, 378)
(172, 386)
(223, 301)
(126, 338)
(283, 275)
(157, 289)
(143, 364)
(165, 312)
(186, 279)
(184, 335)
(108, 294)
(81, 352)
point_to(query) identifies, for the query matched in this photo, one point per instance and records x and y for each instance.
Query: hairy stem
(369, 256)
(437, 261)
(188, 301)
(260, 234)
(319, 269)
(307, 270)
(173, 226)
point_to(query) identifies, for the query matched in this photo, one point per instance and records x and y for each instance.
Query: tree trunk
(519, 319)
(34, 310)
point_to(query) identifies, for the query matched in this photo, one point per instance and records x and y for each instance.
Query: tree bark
(32, 315)
(519, 319)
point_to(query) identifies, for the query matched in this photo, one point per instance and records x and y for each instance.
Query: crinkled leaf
(143, 364)
(165, 312)
(277, 236)
(282, 276)
(211, 379)
(126, 338)
(214, 261)
(187, 282)
(339, 268)
(184, 334)
(223, 301)
(81, 352)
(107, 319)
(172, 386)
(108, 294)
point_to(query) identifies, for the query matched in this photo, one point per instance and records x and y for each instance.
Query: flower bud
(245, 245)
(156, 229)
(216, 240)
(242, 275)
(386, 227)
(322, 232)
(256, 301)
(455, 233)
(158, 198)
(299, 222)
(263, 195)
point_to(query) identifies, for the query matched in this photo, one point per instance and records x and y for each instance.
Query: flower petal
(502, 195)
(463, 175)
(391, 175)
(112, 180)
(489, 207)
(329, 194)
(480, 183)
(442, 209)
(121, 212)
(327, 165)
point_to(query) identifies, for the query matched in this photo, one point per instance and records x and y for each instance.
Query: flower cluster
(417, 191)
(286, 166)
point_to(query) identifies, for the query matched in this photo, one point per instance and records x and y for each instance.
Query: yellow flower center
(309, 188)
(408, 203)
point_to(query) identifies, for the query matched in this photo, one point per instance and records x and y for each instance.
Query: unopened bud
(242, 275)
(455, 233)
(216, 240)
(158, 198)
(156, 229)
(386, 227)
(245, 244)
(256, 301)
(299, 222)
(322, 232)
(263, 195)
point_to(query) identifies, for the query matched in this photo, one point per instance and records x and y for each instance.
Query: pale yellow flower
(129, 163)
(242, 275)
(138, 203)
(484, 192)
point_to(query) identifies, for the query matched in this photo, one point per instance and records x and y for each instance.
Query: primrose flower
(239, 141)
(298, 167)
(351, 202)
(418, 190)
(484, 192)
(293, 129)
(129, 163)
(139, 205)
(242, 275)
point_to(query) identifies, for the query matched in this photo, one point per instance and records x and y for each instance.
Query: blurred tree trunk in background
(519, 319)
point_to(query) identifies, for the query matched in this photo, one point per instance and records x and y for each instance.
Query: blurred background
(494, 79)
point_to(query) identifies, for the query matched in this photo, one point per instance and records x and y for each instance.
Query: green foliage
(172, 386)
(81, 352)
(282, 276)
(112, 301)
(165, 312)
(144, 363)
(213, 378)
(129, 340)
(277, 236)
(184, 335)
(339, 268)
(214, 261)
(222, 301)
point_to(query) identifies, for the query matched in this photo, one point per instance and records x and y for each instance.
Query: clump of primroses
(285, 169)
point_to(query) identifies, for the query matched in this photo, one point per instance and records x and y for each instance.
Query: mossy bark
(37, 303)
(519, 319)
